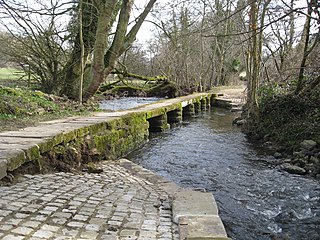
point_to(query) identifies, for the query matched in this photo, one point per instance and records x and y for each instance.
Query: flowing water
(126, 103)
(256, 200)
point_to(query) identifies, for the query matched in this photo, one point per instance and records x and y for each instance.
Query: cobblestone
(112, 205)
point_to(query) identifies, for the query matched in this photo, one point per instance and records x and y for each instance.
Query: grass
(10, 74)
(12, 77)
(20, 108)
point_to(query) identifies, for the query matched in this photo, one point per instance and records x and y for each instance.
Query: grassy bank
(20, 108)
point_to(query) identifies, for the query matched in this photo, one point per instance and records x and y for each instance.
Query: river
(256, 199)
(126, 103)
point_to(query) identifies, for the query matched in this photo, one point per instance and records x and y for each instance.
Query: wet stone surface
(111, 205)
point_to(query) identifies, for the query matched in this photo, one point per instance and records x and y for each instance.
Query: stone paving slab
(184, 204)
(114, 204)
(202, 227)
(196, 213)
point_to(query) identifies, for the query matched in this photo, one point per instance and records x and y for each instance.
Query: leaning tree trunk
(104, 57)
(103, 65)
(305, 41)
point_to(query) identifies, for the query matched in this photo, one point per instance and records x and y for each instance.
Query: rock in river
(308, 144)
(293, 169)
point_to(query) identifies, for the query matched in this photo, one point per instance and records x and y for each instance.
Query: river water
(256, 200)
(126, 103)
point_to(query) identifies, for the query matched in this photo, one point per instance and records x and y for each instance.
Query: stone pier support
(203, 102)
(208, 100)
(159, 123)
(175, 116)
(197, 106)
(189, 111)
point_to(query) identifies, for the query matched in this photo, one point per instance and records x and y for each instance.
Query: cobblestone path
(111, 205)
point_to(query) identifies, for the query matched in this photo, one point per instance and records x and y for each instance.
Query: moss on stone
(104, 140)
(32, 153)
(173, 107)
(69, 136)
(155, 112)
(96, 128)
(113, 124)
(50, 143)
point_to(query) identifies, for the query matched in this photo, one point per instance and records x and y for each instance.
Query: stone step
(193, 203)
(196, 214)
(203, 227)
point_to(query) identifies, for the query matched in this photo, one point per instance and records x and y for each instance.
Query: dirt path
(234, 92)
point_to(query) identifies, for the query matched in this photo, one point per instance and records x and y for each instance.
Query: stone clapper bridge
(111, 135)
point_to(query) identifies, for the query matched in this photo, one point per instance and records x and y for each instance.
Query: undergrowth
(287, 119)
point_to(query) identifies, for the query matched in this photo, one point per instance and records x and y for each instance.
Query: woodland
(77, 49)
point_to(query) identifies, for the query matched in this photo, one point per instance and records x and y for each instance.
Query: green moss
(105, 143)
(93, 129)
(173, 107)
(123, 135)
(69, 136)
(21, 107)
(203, 102)
(134, 118)
(46, 146)
(113, 124)
(83, 131)
(33, 153)
(155, 112)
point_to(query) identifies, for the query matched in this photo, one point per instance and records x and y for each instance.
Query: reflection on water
(256, 199)
(126, 103)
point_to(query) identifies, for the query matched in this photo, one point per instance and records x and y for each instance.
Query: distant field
(12, 77)
(10, 73)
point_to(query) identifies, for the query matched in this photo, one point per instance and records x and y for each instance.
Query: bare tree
(38, 44)
(93, 51)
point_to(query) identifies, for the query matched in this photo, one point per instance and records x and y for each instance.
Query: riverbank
(20, 108)
(289, 125)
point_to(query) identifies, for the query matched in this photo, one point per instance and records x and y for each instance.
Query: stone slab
(34, 132)
(14, 157)
(204, 227)
(19, 141)
(3, 168)
(193, 203)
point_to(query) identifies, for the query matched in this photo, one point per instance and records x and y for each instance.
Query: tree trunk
(82, 63)
(103, 65)
(305, 42)
(104, 57)
(72, 68)
(254, 61)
